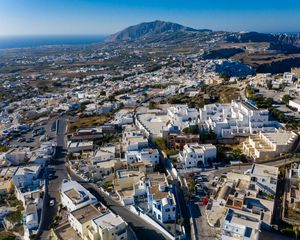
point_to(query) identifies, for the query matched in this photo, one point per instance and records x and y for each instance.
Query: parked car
(199, 179)
(30, 140)
(21, 139)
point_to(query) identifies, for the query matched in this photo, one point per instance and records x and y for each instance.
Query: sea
(37, 41)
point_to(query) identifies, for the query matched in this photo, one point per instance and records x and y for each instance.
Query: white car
(51, 203)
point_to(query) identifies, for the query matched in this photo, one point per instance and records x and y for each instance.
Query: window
(167, 210)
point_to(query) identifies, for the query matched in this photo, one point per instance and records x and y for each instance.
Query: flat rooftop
(34, 168)
(74, 191)
(73, 194)
(86, 213)
(153, 122)
(108, 220)
(66, 232)
(107, 164)
(250, 222)
(264, 170)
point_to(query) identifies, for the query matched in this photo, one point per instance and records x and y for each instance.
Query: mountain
(279, 40)
(168, 32)
(263, 51)
(149, 30)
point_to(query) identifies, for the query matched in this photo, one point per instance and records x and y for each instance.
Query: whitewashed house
(197, 155)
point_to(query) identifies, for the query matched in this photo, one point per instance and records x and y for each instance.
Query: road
(58, 166)
(243, 167)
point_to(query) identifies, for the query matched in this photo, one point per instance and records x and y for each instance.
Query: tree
(282, 86)
(285, 99)
(191, 130)
(225, 76)
(152, 105)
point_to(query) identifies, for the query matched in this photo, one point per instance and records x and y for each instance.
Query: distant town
(112, 141)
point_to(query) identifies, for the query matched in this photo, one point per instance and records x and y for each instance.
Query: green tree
(103, 93)
(286, 98)
(152, 105)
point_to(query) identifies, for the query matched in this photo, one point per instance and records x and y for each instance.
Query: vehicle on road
(52, 203)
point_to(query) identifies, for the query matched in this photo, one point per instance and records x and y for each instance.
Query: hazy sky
(64, 17)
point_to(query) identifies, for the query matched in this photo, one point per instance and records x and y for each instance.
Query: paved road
(58, 166)
(244, 167)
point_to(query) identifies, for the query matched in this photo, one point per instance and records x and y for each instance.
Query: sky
(103, 17)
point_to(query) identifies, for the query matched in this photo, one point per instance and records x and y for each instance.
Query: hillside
(151, 30)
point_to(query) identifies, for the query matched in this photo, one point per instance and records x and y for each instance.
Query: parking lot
(203, 189)
(31, 137)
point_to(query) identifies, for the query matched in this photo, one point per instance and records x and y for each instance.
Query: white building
(108, 226)
(295, 104)
(236, 119)
(147, 156)
(183, 116)
(15, 156)
(27, 179)
(269, 144)
(75, 196)
(264, 179)
(294, 170)
(164, 209)
(30, 217)
(104, 154)
(288, 78)
(161, 201)
(123, 117)
(153, 123)
(74, 147)
(94, 223)
(240, 225)
(80, 219)
(197, 155)
(133, 140)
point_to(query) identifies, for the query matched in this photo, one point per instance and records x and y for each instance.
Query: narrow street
(57, 166)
